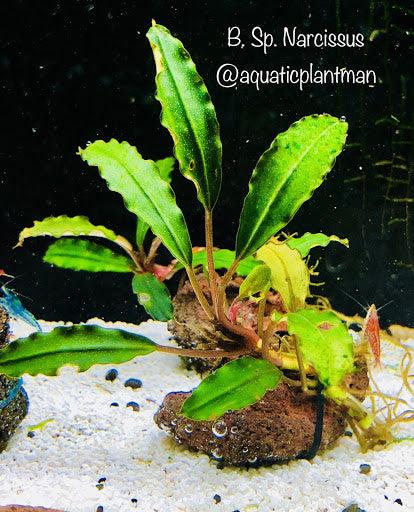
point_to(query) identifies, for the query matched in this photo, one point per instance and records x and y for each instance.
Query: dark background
(76, 71)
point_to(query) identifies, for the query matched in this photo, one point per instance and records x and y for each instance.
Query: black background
(76, 71)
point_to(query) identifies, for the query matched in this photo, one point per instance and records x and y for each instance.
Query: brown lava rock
(277, 428)
(12, 411)
(192, 329)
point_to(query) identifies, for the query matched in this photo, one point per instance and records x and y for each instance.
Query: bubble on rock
(174, 423)
(219, 429)
(188, 429)
(217, 453)
(234, 429)
(252, 460)
(245, 450)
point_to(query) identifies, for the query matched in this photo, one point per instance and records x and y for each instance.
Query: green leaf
(165, 167)
(153, 296)
(309, 240)
(258, 281)
(71, 226)
(325, 343)
(286, 176)
(235, 385)
(289, 273)
(80, 345)
(223, 258)
(86, 255)
(145, 193)
(188, 114)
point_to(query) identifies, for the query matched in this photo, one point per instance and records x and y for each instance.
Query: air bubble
(217, 453)
(245, 450)
(173, 423)
(188, 429)
(343, 118)
(252, 460)
(234, 429)
(219, 429)
(165, 425)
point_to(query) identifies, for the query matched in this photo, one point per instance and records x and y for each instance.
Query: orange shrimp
(371, 330)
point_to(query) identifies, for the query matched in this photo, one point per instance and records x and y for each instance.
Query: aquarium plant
(301, 341)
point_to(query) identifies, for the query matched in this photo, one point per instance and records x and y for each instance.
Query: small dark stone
(365, 469)
(101, 480)
(133, 383)
(348, 433)
(353, 508)
(99, 509)
(134, 500)
(114, 404)
(30, 434)
(99, 487)
(111, 375)
(217, 498)
(398, 501)
(134, 406)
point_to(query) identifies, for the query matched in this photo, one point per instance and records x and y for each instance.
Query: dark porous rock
(277, 428)
(14, 403)
(191, 327)
(4, 328)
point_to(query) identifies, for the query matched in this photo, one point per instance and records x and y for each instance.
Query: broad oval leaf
(153, 296)
(289, 273)
(258, 281)
(86, 255)
(223, 258)
(71, 226)
(235, 385)
(144, 192)
(188, 114)
(325, 343)
(286, 176)
(309, 240)
(80, 345)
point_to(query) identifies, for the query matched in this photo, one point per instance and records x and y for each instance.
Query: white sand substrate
(88, 440)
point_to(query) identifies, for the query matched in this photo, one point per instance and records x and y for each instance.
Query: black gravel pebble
(30, 434)
(101, 480)
(133, 383)
(398, 501)
(111, 375)
(134, 500)
(348, 433)
(217, 498)
(114, 404)
(134, 406)
(353, 508)
(99, 487)
(99, 509)
(365, 469)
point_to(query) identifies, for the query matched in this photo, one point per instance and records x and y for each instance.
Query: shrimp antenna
(383, 306)
(354, 299)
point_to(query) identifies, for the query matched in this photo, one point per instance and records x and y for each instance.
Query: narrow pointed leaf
(188, 114)
(235, 385)
(309, 240)
(144, 192)
(286, 176)
(325, 343)
(71, 226)
(153, 296)
(86, 255)
(165, 167)
(80, 345)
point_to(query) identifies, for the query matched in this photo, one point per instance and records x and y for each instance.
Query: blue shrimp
(11, 303)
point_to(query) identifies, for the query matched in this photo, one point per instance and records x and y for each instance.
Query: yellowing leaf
(289, 273)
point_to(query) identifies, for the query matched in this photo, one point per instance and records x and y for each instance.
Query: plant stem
(221, 292)
(210, 258)
(260, 316)
(191, 352)
(199, 293)
(300, 364)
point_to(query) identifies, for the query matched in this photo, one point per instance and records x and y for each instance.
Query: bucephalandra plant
(299, 336)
